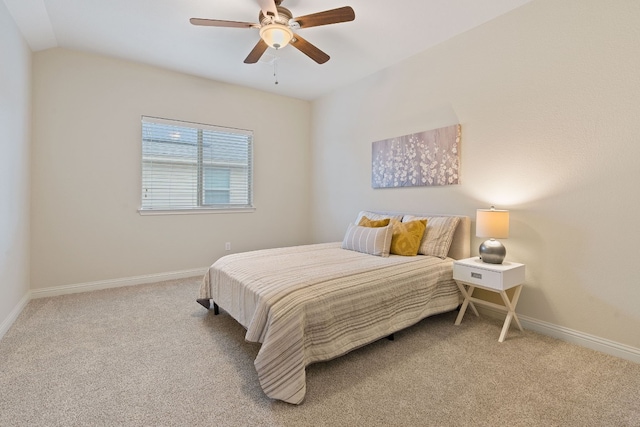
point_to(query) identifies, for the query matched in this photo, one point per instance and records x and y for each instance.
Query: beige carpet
(149, 355)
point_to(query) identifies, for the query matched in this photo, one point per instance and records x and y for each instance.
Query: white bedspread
(312, 303)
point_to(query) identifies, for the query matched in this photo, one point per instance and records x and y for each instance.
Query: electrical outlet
(227, 246)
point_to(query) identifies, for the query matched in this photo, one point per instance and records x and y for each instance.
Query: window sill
(194, 211)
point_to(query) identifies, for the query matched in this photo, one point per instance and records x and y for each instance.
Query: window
(191, 166)
(216, 185)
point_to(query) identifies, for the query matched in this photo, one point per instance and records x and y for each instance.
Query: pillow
(407, 237)
(366, 222)
(376, 216)
(368, 240)
(438, 236)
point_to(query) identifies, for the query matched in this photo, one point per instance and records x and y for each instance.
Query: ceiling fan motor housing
(283, 18)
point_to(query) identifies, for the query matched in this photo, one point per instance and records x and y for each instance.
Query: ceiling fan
(277, 26)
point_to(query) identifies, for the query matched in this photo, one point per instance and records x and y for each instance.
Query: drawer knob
(476, 275)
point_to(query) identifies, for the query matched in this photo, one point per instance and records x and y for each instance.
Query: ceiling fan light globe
(276, 36)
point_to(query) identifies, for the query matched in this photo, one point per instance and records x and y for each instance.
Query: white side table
(472, 273)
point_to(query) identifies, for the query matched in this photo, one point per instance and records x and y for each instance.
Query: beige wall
(87, 170)
(547, 96)
(15, 104)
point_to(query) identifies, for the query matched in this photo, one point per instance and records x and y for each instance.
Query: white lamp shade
(276, 36)
(493, 223)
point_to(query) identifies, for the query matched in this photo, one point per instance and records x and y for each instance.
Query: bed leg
(205, 302)
(391, 337)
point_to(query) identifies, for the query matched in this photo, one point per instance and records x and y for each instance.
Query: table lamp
(492, 223)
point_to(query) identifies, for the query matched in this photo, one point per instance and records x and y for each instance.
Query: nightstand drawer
(493, 276)
(477, 276)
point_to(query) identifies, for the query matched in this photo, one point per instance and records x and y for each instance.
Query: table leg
(466, 293)
(511, 311)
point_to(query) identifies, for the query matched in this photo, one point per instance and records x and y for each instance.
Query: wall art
(427, 158)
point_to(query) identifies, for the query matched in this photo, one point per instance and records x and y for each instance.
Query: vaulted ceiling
(158, 32)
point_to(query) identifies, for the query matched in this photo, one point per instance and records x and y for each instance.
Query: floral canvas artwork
(427, 158)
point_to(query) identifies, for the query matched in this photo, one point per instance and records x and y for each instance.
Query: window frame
(200, 191)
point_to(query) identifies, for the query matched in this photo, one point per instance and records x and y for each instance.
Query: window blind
(193, 166)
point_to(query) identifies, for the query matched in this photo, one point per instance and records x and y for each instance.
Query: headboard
(461, 244)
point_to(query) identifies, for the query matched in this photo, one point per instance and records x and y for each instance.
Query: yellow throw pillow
(407, 237)
(366, 222)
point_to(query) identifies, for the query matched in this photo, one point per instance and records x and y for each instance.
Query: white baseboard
(115, 283)
(570, 335)
(6, 323)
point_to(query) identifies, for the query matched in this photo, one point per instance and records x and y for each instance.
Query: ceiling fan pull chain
(275, 69)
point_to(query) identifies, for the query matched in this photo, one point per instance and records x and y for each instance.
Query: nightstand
(472, 273)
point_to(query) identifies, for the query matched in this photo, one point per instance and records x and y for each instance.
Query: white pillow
(374, 216)
(368, 240)
(437, 239)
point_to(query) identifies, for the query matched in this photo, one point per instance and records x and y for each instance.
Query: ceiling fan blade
(256, 53)
(268, 7)
(220, 23)
(333, 16)
(308, 49)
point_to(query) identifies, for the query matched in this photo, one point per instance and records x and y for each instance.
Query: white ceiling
(158, 32)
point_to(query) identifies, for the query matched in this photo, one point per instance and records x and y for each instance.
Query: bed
(312, 303)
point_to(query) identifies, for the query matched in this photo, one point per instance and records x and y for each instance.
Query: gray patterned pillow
(368, 240)
(438, 236)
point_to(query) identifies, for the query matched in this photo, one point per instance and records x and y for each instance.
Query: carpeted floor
(149, 355)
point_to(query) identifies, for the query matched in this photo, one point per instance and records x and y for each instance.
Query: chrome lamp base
(492, 251)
